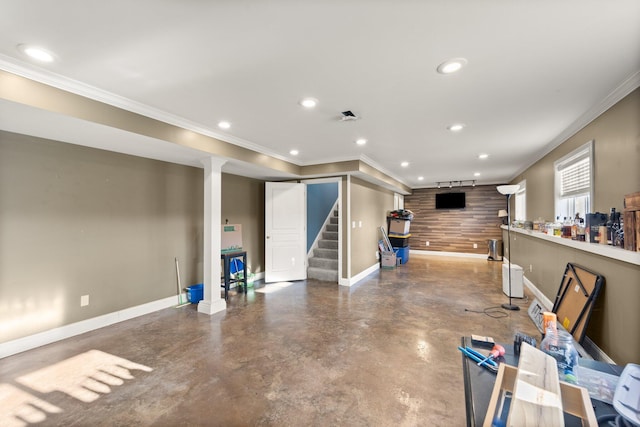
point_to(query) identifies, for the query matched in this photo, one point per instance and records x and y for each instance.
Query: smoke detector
(348, 116)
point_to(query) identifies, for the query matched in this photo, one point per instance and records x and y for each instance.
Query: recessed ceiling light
(294, 152)
(309, 102)
(476, 174)
(224, 125)
(36, 53)
(361, 141)
(452, 65)
(483, 156)
(420, 178)
(456, 127)
(404, 164)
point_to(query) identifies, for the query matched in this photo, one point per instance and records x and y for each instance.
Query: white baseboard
(355, 279)
(453, 254)
(546, 302)
(595, 351)
(47, 337)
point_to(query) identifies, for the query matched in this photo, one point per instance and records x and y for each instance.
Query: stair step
(333, 220)
(324, 263)
(325, 253)
(322, 274)
(331, 227)
(330, 235)
(328, 244)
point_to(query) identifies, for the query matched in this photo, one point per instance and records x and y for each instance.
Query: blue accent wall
(320, 200)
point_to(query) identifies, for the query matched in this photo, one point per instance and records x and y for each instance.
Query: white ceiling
(537, 72)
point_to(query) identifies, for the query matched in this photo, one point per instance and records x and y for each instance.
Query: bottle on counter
(566, 228)
(582, 237)
(619, 239)
(610, 228)
(557, 227)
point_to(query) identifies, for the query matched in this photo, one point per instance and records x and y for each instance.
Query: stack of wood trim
(632, 221)
(538, 398)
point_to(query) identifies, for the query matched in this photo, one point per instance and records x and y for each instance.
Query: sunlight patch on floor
(19, 408)
(85, 377)
(274, 287)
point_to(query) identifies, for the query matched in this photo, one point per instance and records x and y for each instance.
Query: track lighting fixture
(460, 183)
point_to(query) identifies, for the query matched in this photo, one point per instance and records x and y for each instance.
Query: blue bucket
(194, 293)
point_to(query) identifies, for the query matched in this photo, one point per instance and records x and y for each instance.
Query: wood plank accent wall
(455, 230)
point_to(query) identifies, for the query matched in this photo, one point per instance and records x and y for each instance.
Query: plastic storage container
(402, 254)
(195, 293)
(559, 345)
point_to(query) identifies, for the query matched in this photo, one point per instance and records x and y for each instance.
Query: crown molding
(58, 81)
(625, 88)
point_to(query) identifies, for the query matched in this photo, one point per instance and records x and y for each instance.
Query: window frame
(521, 200)
(584, 151)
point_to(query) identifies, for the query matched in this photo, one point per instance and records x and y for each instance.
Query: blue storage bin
(195, 293)
(402, 254)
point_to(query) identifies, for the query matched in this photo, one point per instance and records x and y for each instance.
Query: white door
(285, 231)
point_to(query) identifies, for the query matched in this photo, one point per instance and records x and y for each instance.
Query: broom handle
(178, 276)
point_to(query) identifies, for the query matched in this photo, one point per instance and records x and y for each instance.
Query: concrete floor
(381, 353)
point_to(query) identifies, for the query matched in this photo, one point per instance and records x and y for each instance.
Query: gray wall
(79, 221)
(617, 161)
(243, 203)
(369, 204)
(615, 326)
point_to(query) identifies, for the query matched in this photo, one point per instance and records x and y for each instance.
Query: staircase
(323, 265)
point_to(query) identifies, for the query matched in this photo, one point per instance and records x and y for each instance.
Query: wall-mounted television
(450, 200)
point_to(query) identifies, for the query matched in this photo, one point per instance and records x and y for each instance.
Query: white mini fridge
(517, 279)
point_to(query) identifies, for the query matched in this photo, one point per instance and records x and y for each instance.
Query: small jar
(559, 345)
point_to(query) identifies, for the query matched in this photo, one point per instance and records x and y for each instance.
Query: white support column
(212, 302)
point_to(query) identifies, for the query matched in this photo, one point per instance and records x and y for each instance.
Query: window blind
(575, 178)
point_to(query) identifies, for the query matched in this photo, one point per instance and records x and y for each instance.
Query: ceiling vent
(348, 115)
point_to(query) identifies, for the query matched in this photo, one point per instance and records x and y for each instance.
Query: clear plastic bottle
(559, 345)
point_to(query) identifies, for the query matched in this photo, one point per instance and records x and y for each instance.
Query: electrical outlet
(530, 268)
(427, 243)
(377, 255)
(360, 224)
(475, 246)
(84, 300)
(353, 224)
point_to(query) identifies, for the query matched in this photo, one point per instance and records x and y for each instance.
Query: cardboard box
(399, 226)
(389, 260)
(231, 238)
